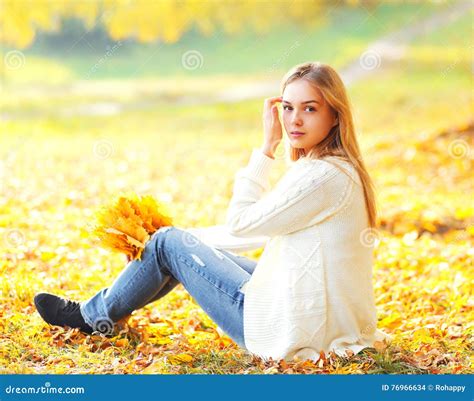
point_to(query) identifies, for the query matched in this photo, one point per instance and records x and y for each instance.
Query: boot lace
(71, 306)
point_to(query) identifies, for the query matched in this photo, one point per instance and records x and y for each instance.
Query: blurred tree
(152, 20)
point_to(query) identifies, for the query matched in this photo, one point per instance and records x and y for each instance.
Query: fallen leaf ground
(57, 169)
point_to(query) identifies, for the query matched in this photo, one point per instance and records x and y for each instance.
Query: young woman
(311, 289)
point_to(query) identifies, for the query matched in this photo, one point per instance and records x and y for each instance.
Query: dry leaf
(128, 222)
(180, 358)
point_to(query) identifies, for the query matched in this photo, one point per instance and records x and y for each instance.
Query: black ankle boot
(61, 312)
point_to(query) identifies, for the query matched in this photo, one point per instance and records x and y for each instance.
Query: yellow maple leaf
(180, 358)
(127, 223)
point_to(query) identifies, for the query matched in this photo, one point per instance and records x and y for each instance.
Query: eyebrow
(307, 101)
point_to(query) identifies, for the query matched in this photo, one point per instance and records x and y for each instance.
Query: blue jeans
(213, 277)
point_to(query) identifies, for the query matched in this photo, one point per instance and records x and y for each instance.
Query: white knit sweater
(312, 287)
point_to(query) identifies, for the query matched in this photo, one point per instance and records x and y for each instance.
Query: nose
(295, 119)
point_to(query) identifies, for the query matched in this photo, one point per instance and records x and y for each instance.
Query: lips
(296, 133)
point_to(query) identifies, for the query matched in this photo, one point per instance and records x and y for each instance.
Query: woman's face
(306, 111)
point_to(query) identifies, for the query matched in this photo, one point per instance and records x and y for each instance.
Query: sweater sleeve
(308, 193)
(219, 237)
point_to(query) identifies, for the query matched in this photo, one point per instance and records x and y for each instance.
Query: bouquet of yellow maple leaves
(128, 222)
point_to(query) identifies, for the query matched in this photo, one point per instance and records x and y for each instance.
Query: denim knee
(170, 237)
(163, 241)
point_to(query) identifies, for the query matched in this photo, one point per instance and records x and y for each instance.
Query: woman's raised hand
(272, 129)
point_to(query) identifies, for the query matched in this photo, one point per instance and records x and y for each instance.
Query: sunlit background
(165, 98)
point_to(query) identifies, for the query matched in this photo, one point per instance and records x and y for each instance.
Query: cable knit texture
(312, 287)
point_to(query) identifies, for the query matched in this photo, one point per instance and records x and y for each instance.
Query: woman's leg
(170, 282)
(212, 277)
(245, 263)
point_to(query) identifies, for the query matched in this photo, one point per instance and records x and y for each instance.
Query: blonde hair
(341, 141)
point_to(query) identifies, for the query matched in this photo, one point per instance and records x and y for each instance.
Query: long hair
(341, 141)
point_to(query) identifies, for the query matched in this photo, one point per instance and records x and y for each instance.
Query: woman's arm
(219, 236)
(310, 192)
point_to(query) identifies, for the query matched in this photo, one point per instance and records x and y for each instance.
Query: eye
(286, 107)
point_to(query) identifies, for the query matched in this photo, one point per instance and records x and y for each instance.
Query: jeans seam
(159, 256)
(85, 316)
(138, 274)
(106, 314)
(205, 278)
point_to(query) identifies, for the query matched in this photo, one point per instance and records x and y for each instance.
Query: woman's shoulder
(321, 166)
(324, 161)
